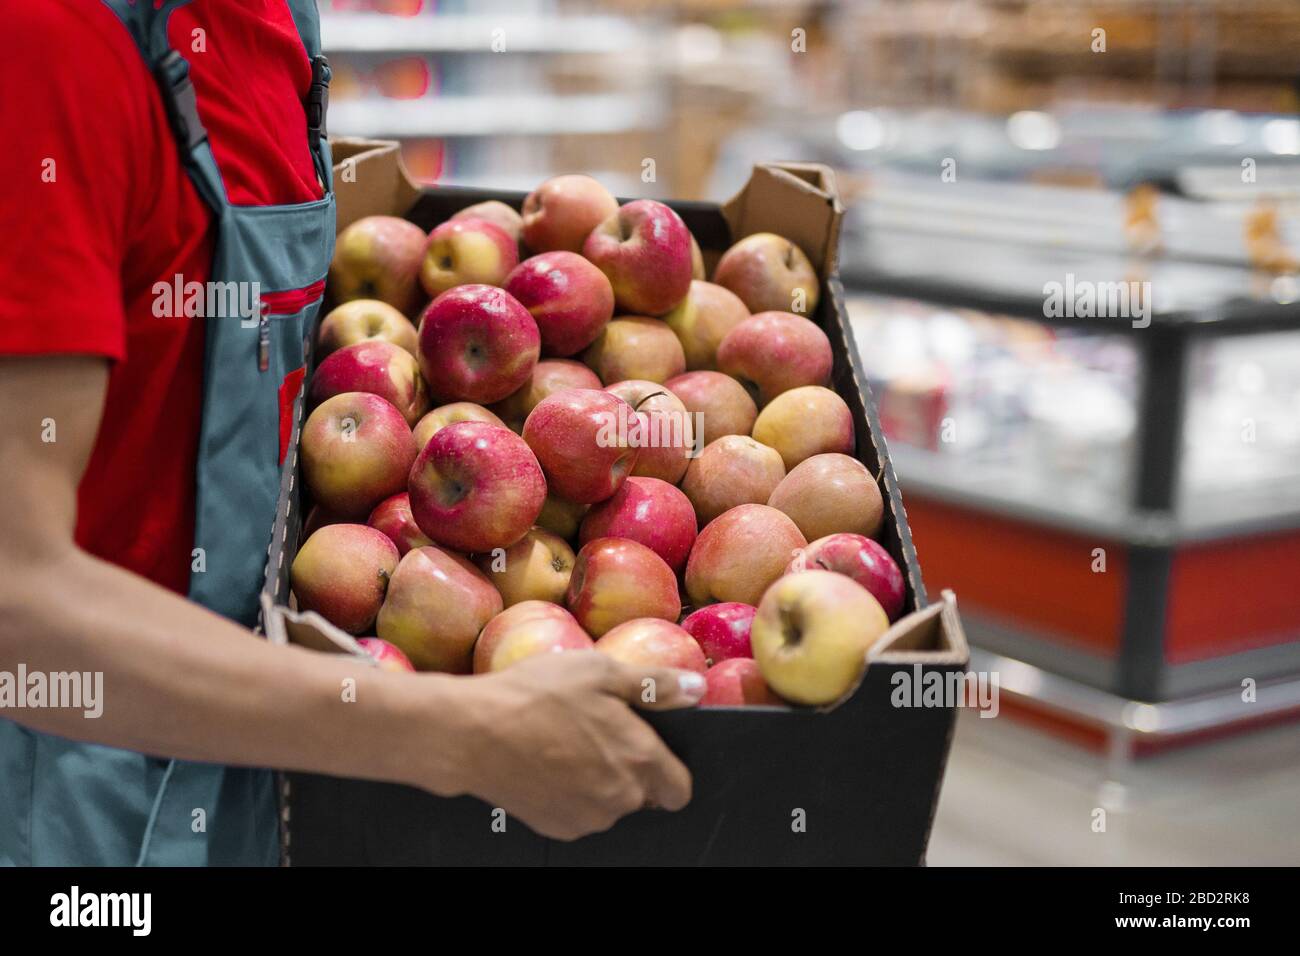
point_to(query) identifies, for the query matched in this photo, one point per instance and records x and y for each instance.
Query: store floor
(1015, 796)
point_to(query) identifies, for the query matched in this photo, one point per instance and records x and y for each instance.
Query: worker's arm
(550, 740)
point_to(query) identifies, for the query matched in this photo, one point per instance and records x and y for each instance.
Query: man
(104, 408)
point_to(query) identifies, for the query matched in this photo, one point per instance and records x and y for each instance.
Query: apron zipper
(282, 303)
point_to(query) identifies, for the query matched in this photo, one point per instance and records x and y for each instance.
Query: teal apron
(74, 804)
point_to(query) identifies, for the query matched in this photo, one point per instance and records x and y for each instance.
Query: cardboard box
(854, 783)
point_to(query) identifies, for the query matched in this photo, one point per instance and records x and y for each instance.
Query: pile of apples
(577, 440)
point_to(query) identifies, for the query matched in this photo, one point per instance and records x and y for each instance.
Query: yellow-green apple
(666, 435)
(387, 656)
(740, 553)
(769, 272)
(356, 451)
(561, 517)
(812, 633)
(561, 212)
(550, 376)
(635, 346)
(722, 630)
(365, 320)
(393, 517)
(649, 511)
(525, 629)
(863, 560)
(644, 249)
(341, 572)
(829, 493)
(701, 321)
(737, 682)
(734, 470)
(534, 568)
(697, 261)
(467, 252)
(378, 367)
(773, 352)
(437, 604)
(450, 414)
(615, 580)
(804, 422)
(477, 344)
(582, 437)
(497, 213)
(647, 642)
(717, 401)
(568, 297)
(378, 257)
(475, 487)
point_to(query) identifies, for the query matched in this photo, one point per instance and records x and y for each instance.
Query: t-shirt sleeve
(69, 121)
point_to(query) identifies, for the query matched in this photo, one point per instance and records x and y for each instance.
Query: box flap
(307, 629)
(796, 200)
(369, 175)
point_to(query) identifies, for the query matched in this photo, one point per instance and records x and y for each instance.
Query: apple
(365, 320)
(635, 347)
(436, 606)
(393, 517)
(477, 344)
(773, 352)
(859, 558)
(475, 487)
(644, 249)
(812, 633)
(388, 656)
(740, 553)
(652, 642)
(616, 580)
(341, 572)
(378, 367)
(378, 257)
(769, 273)
(535, 568)
(568, 297)
(666, 436)
(467, 252)
(722, 630)
(804, 422)
(717, 401)
(737, 682)
(318, 518)
(561, 212)
(356, 451)
(697, 261)
(497, 213)
(829, 493)
(528, 628)
(548, 377)
(561, 517)
(701, 321)
(734, 470)
(649, 511)
(450, 414)
(581, 436)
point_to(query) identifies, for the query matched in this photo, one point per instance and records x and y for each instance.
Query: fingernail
(692, 685)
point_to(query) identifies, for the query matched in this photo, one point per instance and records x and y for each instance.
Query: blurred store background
(1115, 498)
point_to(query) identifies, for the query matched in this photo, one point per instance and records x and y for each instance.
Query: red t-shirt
(96, 208)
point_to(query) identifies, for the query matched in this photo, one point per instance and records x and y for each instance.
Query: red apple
(650, 512)
(697, 262)
(568, 297)
(466, 252)
(667, 435)
(378, 367)
(388, 656)
(773, 352)
(616, 580)
(644, 249)
(548, 377)
(526, 629)
(561, 212)
(365, 320)
(436, 606)
(379, 257)
(738, 682)
(652, 642)
(475, 487)
(734, 470)
(718, 401)
(535, 568)
(497, 213)
(450, 414)
(356, 451)
(739, 554)
(722, 630)
(769, 273)
(804, 422)
(863, 560)
(701, 321)
(581, 436)
(829, 493)
(477, 344)
(341, 572)
(393, 517)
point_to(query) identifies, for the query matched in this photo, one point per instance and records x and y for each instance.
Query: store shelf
(463, 116)
(379, 33)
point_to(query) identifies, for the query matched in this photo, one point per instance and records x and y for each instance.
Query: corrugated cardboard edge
(307, 629)
(797, 200)
(376, 179)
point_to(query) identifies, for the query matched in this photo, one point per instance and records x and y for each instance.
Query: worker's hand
(553, 741)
